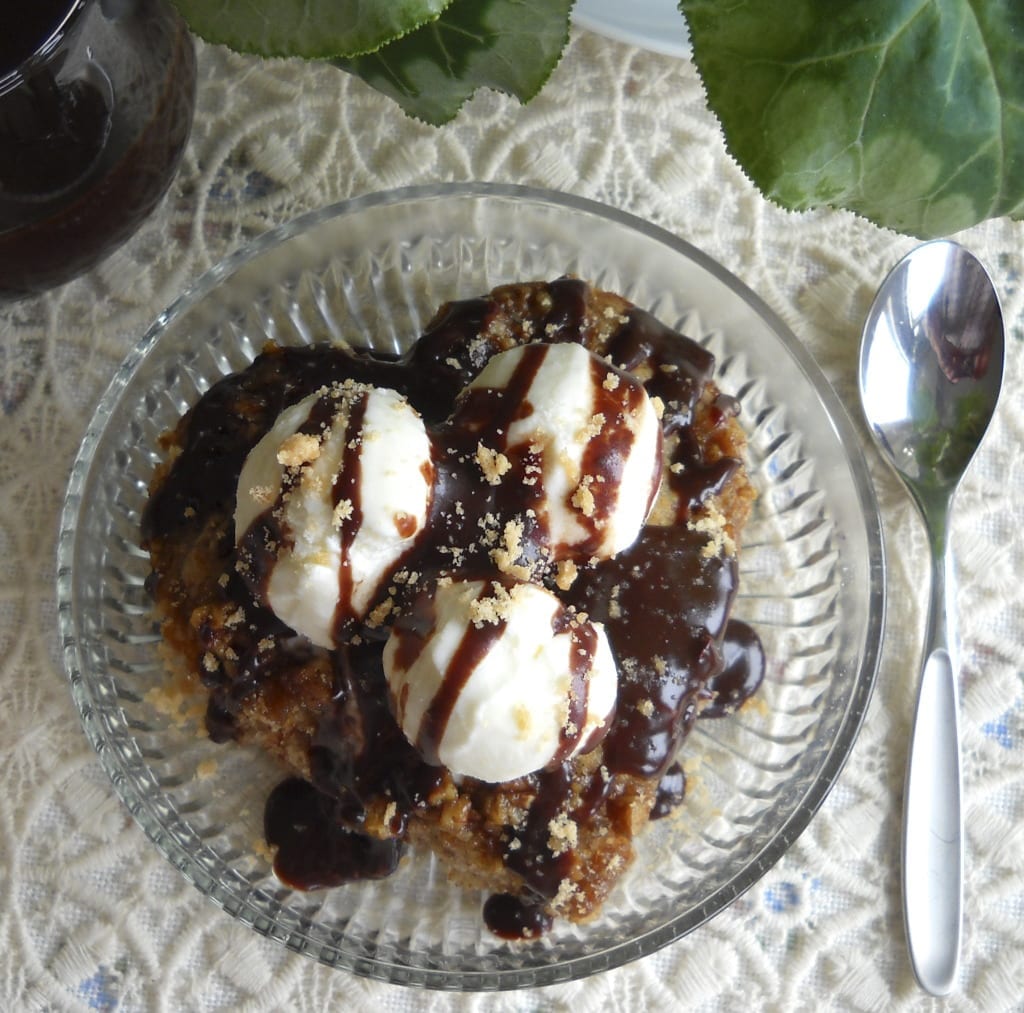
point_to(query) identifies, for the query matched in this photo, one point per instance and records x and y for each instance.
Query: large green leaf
(509, 45)
(310, 28)
(909, 112)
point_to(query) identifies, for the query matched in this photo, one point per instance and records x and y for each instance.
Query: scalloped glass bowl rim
(630, 949)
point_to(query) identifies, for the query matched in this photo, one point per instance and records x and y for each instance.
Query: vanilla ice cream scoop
(329, 502)
(582, 437)
(495, 680)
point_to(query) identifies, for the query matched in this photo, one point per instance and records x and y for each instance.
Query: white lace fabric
(93, 917)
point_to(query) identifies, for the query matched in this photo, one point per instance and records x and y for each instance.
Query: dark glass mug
(96, 101)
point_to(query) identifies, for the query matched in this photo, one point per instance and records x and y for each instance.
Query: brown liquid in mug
(90, 132)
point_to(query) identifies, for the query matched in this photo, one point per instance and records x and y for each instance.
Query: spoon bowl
(931, 368)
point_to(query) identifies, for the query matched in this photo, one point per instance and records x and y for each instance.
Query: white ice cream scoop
(329, 502)
(497, 680)
(586, 431)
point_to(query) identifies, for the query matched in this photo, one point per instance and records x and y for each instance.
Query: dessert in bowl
(477, 596)
(373, 273)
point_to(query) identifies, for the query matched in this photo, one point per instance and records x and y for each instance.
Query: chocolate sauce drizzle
(664, 602)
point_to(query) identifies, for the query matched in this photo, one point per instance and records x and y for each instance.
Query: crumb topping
(496, 607)
(566, 574)
(342, 512)
(715, 525)
(564, 834)
(298, 449)
(583, 497)
(494, 464)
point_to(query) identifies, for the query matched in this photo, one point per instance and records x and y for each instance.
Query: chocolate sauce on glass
(314, 849)
(512, 918)
(664, 605)
(671, 791)
(665, 602)
(742, 671)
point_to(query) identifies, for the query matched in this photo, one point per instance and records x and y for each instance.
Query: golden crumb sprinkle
(564, 834)
(312, 482)
(583, 498)
(488, 611)
(567, 892)
(297, 450)
(614, 604)
(496, 608)
(493, 464)
(380, 613)
(611, 381)
(566, 574)
(594, 426)
(659, 407)
(342, 512)
(645, 707)
(713, 524)
(505, 556)
(263, 495)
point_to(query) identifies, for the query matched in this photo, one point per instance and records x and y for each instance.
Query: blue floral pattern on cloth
(98, 992)
(1005, 729)
(781, 897)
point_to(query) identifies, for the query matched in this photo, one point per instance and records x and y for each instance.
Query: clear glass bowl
(372, 271)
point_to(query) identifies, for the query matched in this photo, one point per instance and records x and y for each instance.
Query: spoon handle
(932, 816)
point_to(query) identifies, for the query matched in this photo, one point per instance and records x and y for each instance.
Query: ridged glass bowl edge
(248, 912)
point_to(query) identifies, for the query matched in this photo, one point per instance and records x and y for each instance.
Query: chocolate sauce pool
(664, 601)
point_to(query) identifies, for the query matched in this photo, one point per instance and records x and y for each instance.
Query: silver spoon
(931, 365)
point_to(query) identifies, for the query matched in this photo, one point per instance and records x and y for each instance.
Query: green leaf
(509, 45)
(309, 28)
(908, 112)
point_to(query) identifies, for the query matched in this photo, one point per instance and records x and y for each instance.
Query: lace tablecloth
(94, 918)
